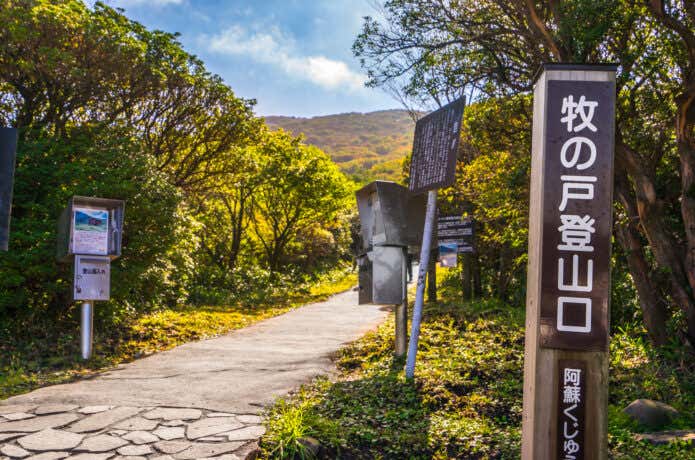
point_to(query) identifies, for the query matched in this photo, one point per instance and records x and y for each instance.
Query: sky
(293, 56)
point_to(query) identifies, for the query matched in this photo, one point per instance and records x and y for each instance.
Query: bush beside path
(466, 399)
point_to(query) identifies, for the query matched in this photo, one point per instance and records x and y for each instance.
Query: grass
(466, 399)
(36, 361)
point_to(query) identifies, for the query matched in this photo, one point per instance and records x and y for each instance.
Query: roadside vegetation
(52, 356)
(465, 401)
(220, 211)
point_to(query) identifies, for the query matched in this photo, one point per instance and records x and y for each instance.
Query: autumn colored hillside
(366, 146)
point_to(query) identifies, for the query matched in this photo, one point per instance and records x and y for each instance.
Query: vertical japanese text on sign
(571, 409)
(577, 215)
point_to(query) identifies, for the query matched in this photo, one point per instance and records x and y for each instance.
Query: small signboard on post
(568, 287)
(90, 233)
(433, 165)
(92, 278)
(8, 151)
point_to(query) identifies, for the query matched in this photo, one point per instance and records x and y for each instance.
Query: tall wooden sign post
(567, 303)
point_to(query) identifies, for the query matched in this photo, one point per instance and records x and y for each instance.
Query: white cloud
(274, 48)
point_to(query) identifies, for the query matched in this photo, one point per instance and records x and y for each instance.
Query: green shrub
(93, 161)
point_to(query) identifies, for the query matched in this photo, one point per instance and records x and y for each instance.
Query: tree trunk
(477, 283)
(683, 278)
(685, 124)
(654, 312)
(668, 253)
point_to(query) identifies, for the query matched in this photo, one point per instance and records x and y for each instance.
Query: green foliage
(466, 399)
(491, 186)
(583, 26)
(92, 161)
(309, 193)
(219, 210)
(428, 51)
(292, 423)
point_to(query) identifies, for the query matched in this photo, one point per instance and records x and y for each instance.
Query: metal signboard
(577, 213)
(8, 151)
(389, 215)
(381, 275)
(456, 230)
(92, 226)
(92, 278)
(433, 163)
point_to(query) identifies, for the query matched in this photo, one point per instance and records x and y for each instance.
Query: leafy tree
(92, 161)
(109, 108)
(301, 188)
(431, 50)
(65, 63)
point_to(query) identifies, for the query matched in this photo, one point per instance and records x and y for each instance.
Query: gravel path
(199, 400)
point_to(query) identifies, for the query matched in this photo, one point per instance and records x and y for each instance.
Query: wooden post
(466, 275)
(477, 283)
(568, 290)
(432, 279)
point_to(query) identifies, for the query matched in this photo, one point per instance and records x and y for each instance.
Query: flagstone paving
(198, 401)
(231, 437)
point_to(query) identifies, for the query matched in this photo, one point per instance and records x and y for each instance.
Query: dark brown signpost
(578, 183)
(433, 163)
(567, 304)
(8, 150)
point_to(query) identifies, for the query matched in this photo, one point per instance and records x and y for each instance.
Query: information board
(577, 214)
(435, 147)
(456, 230)
(8, 149)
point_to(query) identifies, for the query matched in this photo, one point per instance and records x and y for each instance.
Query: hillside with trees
(366, 146)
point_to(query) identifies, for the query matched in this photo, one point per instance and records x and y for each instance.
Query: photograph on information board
(91, 231)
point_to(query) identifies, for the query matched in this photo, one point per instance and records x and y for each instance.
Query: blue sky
(292, 56)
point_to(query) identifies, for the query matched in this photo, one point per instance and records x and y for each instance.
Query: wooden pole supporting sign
(568, 291)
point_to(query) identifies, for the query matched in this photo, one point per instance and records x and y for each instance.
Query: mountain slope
(366, 146)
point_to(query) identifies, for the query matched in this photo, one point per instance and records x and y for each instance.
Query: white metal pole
(87, 320)
(422, 275)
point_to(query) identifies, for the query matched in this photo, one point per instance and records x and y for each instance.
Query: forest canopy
(218, 207)
(432, 51)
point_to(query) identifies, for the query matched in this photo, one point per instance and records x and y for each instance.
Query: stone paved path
(199, 400)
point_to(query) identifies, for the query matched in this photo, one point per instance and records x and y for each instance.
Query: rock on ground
(650, 413)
